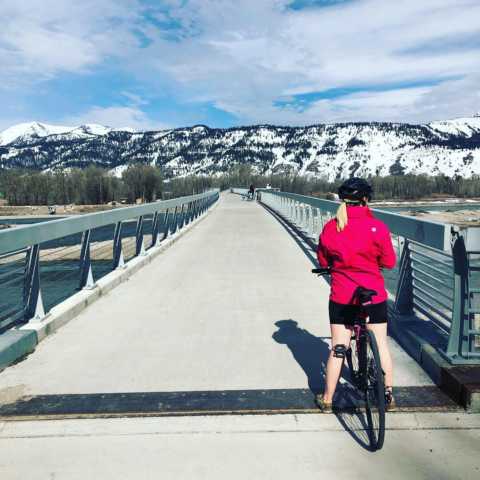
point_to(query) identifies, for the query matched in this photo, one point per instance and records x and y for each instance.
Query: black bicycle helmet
(355, 189)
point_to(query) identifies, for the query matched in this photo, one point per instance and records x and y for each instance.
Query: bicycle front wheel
(374, 392)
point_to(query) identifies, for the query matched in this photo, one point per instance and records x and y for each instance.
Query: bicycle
(248, 196)
(363, 361)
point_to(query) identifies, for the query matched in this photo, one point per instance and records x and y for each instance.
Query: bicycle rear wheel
(374, 392)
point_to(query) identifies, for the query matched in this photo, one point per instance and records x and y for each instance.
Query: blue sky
(151, 64)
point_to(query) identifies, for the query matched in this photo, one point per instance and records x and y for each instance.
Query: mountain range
(450, 147)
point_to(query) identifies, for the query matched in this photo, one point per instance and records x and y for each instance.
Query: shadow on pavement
(311, 353)
(355, 423)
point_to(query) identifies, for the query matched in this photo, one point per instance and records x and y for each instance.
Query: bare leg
(380, 331)
(340, 336)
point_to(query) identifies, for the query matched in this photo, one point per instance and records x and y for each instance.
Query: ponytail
(342, 218)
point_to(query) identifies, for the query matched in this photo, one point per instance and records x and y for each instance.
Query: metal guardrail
(437, 278)
(42, 264)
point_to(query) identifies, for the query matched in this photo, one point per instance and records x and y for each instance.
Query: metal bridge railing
(437, 276)
(239, 191)
(44, 263)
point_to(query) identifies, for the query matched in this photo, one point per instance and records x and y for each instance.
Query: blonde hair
(342, 216)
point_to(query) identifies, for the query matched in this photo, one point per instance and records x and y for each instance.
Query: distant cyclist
(356, 246)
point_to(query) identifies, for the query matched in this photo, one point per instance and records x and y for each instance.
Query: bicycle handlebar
(321, 271)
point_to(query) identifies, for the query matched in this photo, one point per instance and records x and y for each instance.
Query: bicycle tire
(374, 392)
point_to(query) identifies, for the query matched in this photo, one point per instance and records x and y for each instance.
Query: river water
(59, 264)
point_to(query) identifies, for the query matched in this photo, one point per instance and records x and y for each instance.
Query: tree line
(392, 187)
(90, 186)
(95, 185)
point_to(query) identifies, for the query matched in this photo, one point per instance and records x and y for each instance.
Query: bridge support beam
(166, 224)
(155, 229)
(33, 302)
(458, 341)
(139, 246)
(118, 260)
(404, 295)
(86, 275)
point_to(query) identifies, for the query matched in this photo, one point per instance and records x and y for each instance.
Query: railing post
(404, 296)
(188, 213)
(166, 224)
(86, 275)
(458, 341)
(174, 223)
(32, 295)
(155, 225)
(311, 222)
(182, 216)
(139, 246)
(118, 261)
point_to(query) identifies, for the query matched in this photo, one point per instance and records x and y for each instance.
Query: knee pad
(339, 351)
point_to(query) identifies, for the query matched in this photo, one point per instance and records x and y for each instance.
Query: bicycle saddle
(364, 295)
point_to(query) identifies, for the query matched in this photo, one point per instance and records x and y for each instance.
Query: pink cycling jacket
(356, 255)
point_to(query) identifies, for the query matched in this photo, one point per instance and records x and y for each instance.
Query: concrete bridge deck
(232, 305)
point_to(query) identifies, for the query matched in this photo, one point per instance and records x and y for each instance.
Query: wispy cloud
(342, 60)
(117, 117)
(43, 38)
(247, 56)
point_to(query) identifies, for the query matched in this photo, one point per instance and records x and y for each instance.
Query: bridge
(168, 337)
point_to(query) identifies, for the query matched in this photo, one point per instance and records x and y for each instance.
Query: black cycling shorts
(345, 314)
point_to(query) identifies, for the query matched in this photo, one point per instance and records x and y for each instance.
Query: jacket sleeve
(387, 257)
(322, 254)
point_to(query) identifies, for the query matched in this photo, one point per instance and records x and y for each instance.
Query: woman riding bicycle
(356, 246)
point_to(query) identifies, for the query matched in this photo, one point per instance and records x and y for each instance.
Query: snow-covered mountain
(27, 132)
(332, 151)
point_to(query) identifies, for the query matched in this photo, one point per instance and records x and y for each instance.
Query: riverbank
(61, 210)
(462, 218)
(442, 202)
(457, 211)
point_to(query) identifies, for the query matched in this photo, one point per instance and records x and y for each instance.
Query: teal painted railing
(42, 264)
(437, 276)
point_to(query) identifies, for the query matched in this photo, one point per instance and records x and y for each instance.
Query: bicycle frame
(359, 329)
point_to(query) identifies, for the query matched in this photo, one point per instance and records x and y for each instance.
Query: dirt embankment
(43, 210)
(462, 218)
(463, 212)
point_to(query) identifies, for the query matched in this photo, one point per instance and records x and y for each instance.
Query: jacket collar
(358, 212)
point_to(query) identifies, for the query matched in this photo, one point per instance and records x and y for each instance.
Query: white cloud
(244, 55)
(134, 98)
(41, 38)
(117, 117)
